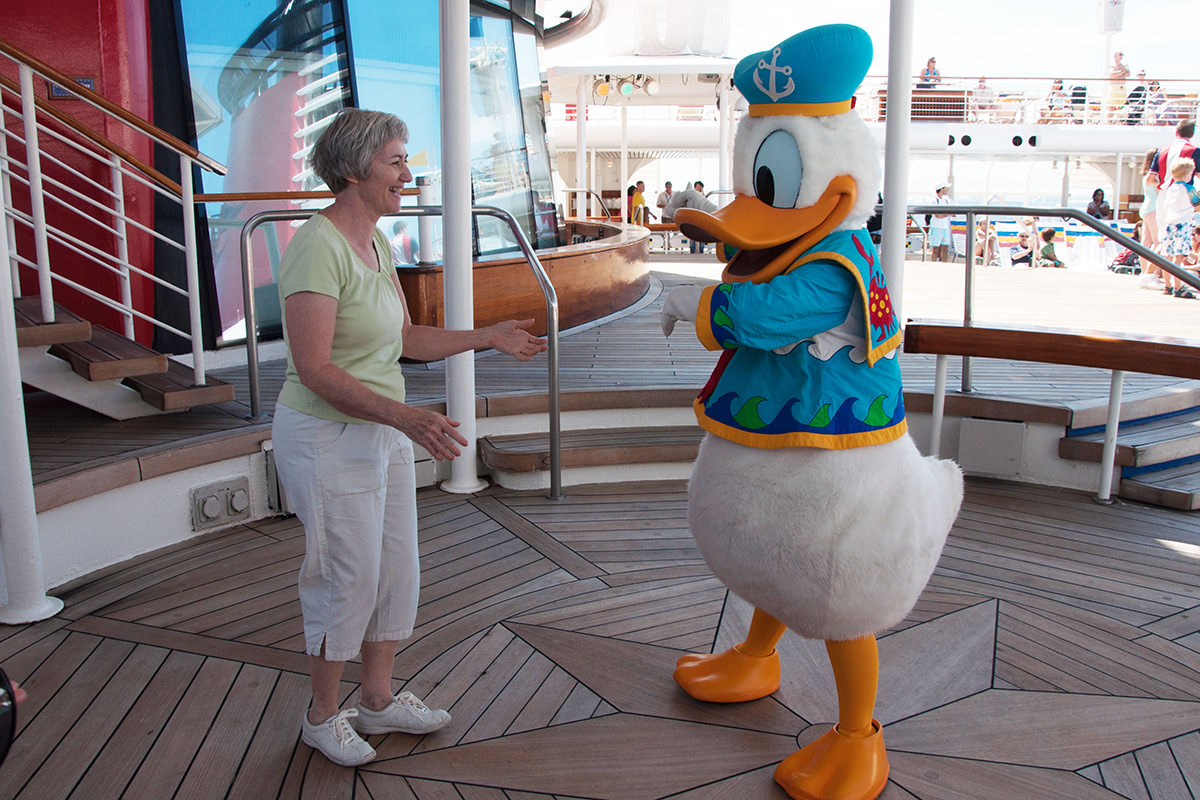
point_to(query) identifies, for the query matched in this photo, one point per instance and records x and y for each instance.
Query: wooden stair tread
(1141, 443)
(1174, 487)
(109, 355)
(593, 447)
(32, 331)
(174, 390)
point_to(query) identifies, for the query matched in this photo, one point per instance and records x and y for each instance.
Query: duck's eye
(778, 170)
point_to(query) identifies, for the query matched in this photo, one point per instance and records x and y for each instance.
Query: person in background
(629, 207)
(1047, 257)
(939, 225)
(343, 436)
(1055, 109)
(1151, 274)
(1181, 145)
(404, 246)
(1176, 209)
(641, 212)
(689, 198)
(1118, 73)
(1022, 252)
(1135, 101)
(982, 102)
(663, 198)
(1099, 207)
(929, 77)
(987, 244)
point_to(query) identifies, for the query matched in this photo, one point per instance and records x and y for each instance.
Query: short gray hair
(347, 146)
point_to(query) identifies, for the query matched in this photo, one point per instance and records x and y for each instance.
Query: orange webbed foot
(729, 677)
(836, 767)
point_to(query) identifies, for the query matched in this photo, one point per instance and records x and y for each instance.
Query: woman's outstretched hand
(512, 337)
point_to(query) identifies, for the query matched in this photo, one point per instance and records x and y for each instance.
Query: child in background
(1046, 257)
(1175, 214)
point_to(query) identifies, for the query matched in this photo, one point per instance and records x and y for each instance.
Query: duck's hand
(681, 303)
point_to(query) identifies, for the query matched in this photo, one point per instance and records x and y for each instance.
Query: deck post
(1108, 456)
(896, 132)
(937, 413)
(20, 547)
(457, 262)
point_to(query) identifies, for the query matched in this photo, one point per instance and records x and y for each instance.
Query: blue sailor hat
(813, 73)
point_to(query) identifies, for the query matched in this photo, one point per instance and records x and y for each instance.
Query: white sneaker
(405, 714)
(337, 740)
(1148, 281)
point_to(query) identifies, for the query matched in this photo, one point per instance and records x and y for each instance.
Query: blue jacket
(772, 388)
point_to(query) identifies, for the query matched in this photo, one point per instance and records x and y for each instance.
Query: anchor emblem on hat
(770, 90)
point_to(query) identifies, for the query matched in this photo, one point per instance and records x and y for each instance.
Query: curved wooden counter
(592, 279)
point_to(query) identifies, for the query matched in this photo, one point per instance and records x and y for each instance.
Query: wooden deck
(1055, 654)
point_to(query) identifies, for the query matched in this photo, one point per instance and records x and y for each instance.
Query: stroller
(1126, 263)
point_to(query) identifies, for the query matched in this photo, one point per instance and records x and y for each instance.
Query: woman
(343, 435)
(1151, 274)
(929, 76)
(1099, 207)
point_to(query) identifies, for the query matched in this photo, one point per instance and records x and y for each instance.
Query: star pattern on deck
(942, 733)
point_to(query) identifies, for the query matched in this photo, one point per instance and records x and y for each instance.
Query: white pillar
(1066, 183)
(426, 254)
(896, 150)
(724, 165)
(458, 292)
(625, 181)
(594, 183)
(1116, 203)
(581, 182)
(20, 547)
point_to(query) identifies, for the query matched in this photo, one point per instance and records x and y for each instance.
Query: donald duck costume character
(808, 499)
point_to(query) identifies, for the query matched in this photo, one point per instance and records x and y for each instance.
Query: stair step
(33, 331)
(1154, 441)
(174, 389)
(109, 355)
(1174, 487)
(592, 447)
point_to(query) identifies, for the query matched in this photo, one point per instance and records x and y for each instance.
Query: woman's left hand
(512, 337)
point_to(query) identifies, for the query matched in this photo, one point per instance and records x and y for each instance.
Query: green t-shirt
(368, 331)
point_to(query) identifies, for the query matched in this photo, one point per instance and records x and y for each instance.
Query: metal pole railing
(593, 193)
(192, 264)
(1112, 423)
(33, 162)
(122, 234)
(252, 366)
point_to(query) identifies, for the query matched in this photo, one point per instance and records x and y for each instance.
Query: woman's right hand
(435, 432)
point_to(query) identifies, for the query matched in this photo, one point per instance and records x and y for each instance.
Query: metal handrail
(607, 213)
(1116, 378)
(417, 211)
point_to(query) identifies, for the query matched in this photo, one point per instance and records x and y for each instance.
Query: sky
(1016, 38)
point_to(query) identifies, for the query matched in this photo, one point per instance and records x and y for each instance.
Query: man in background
(664, 197)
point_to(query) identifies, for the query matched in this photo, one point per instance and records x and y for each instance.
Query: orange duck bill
(768, 239)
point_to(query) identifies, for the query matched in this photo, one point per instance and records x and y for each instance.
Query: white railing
(69, 192)
(1002, 100)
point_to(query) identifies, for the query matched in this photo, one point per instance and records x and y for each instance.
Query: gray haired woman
(343, 436)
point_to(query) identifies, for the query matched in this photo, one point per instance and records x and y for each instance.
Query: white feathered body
(836, 544)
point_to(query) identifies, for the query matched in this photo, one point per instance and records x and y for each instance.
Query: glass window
(267, 75)
(265, 79)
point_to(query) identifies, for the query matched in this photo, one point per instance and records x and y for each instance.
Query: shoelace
(409, 699)
(342, 729)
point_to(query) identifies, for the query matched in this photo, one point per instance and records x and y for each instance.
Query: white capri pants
(353, 487)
